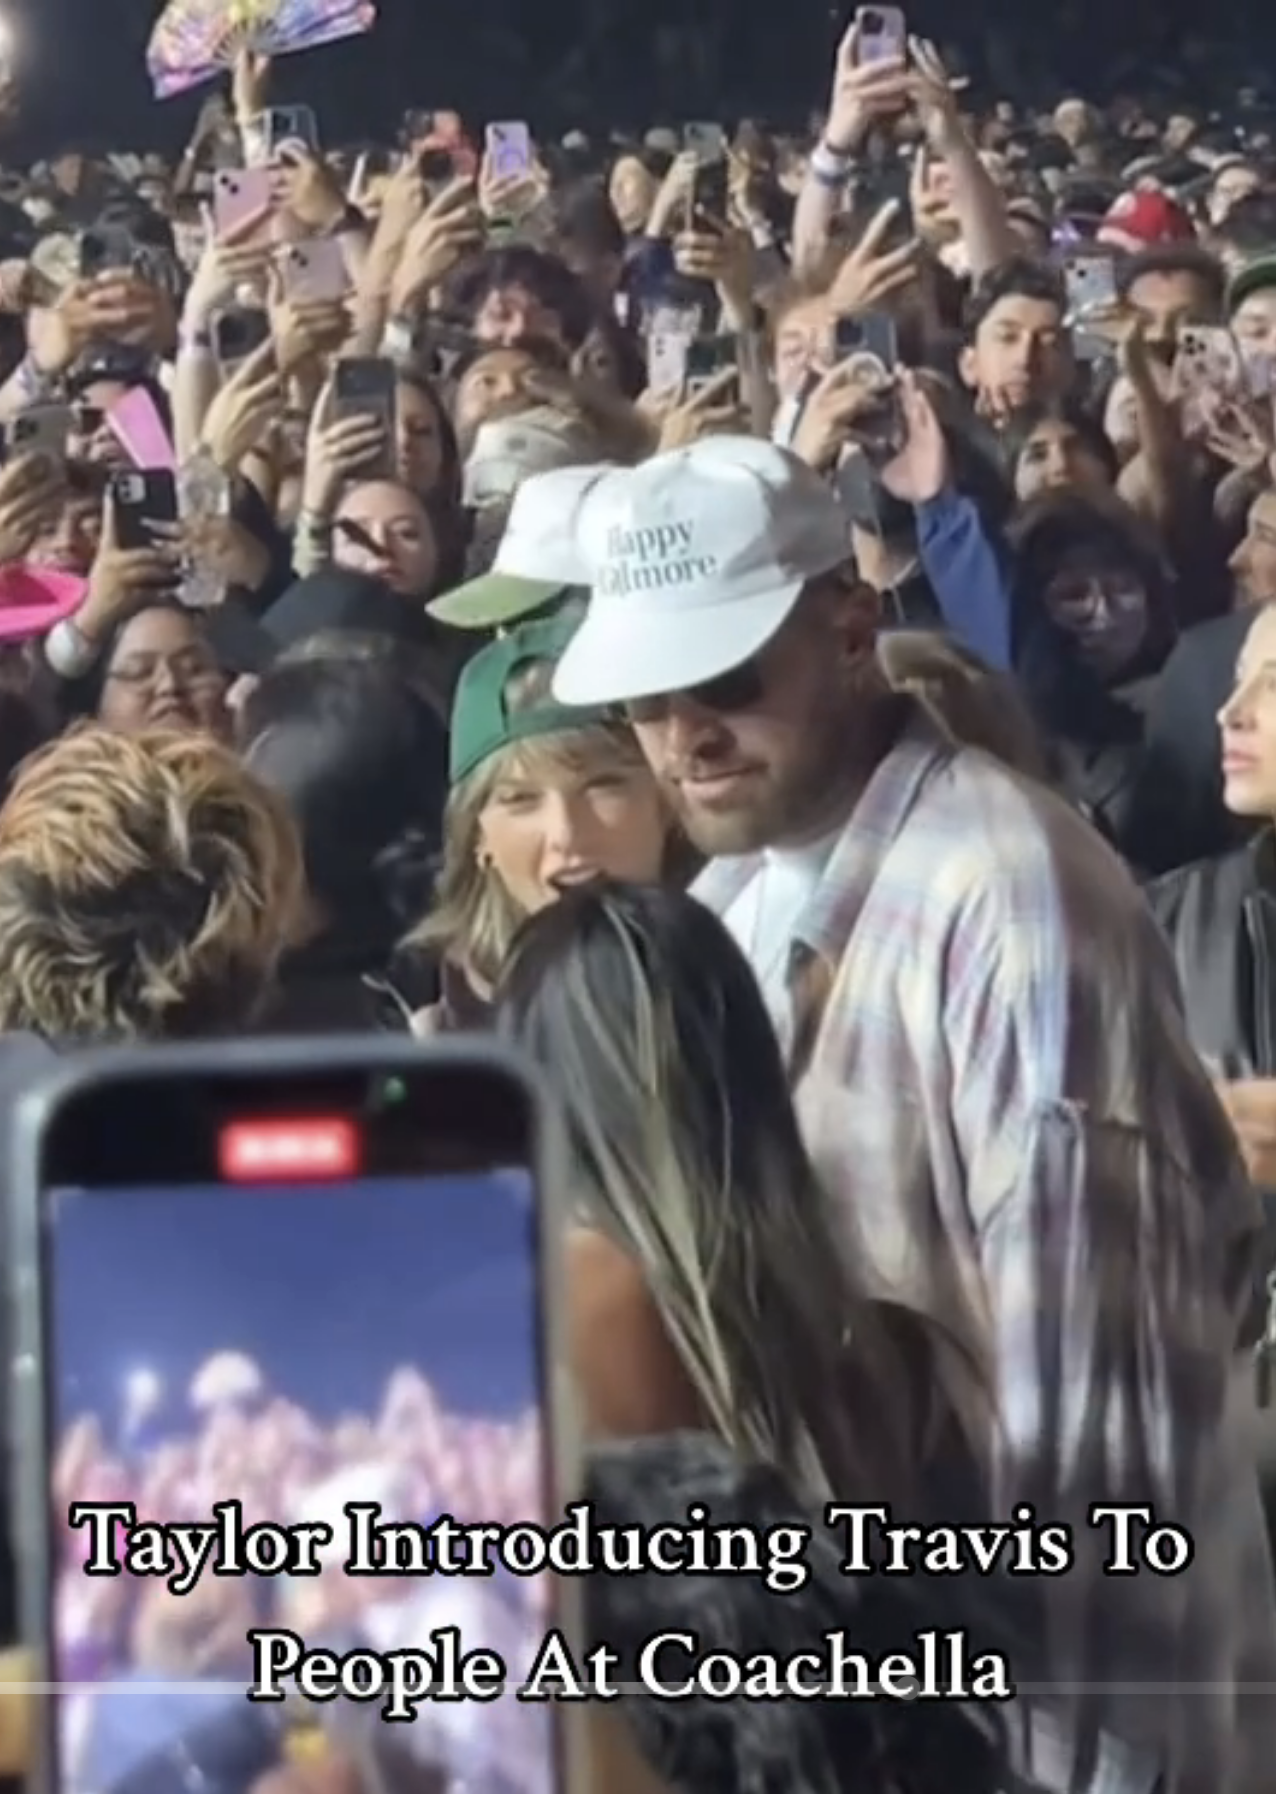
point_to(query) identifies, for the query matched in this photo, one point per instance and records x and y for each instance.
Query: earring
(484, 859)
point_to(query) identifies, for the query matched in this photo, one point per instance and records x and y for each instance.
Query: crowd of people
(779, 626)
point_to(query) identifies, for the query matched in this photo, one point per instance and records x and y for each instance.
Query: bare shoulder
(632, 1379)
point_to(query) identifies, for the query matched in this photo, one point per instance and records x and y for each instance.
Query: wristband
(830, 167)
(69, 653)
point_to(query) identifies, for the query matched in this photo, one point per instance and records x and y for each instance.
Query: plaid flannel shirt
(995, 1079)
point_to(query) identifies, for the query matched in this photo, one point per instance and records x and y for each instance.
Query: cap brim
(493, 600)
(1257, 277)
(620, 653)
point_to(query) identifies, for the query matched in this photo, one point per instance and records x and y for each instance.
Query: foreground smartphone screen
(315, 1337)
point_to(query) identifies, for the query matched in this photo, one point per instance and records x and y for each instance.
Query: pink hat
(33, 599)
(1145, 219)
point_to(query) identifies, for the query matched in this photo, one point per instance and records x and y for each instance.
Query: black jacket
(1220, 916)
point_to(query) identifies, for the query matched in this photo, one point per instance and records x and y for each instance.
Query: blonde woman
(147, 886)
(543, 798)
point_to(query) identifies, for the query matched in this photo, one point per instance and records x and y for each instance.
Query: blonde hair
(147, 883)
(475, 918)
(967, 700)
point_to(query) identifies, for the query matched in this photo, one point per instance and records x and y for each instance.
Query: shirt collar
(829, 918)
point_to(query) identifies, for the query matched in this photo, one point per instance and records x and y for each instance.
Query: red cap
(1147, 218)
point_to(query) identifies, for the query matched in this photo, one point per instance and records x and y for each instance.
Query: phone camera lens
(873, 24)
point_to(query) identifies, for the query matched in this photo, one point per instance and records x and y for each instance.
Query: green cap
(482, 723)
(1254, 277)
(494, 600)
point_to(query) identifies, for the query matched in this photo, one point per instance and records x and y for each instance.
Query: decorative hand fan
(194, 40)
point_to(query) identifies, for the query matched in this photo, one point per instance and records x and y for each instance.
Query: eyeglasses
(742, 688)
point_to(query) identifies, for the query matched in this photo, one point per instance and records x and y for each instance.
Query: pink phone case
(240, 194)
(139, 429)
(315, 272)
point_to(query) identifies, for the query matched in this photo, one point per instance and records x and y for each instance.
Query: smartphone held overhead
(257, 1186)
(242, 203)
(509, 151)
(881, 34)
(144, 503)
(315, 272)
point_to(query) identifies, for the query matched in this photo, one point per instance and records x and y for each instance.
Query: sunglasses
(730, 693)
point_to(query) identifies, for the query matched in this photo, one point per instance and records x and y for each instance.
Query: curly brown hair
(147, 884)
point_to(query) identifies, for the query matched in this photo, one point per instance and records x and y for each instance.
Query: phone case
(43, 430)
(315, 272)
(1091, 284)
(240, 194)
(509, 150)
(238, 333)
(666, 361)
(291, 127)
(141, 499)
(883, 34)
(37, 1423)
(105, 250)
(138, 428)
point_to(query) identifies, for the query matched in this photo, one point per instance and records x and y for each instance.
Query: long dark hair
(359, 756)
(649, 1023)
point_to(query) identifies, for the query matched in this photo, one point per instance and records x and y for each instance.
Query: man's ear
(966, 367)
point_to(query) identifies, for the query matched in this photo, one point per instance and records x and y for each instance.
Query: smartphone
(318, 1281)
(141, 498)
(710, 195)
(41, 430)
(105, 249)
(883, 34)
(707, 358)
(290, 128)
(237, 333)
(137, 426)
(240, 194)
(315, 272)
(1208, 357)
(868, 344)
(1091, 285)
(509, 150)
(667, 353)
(436, 166)
(368, 387)
(872, 336)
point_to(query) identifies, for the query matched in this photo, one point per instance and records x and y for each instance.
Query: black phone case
(157, 505)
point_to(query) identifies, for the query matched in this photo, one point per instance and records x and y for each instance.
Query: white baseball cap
(696, 558)
(537, 557)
